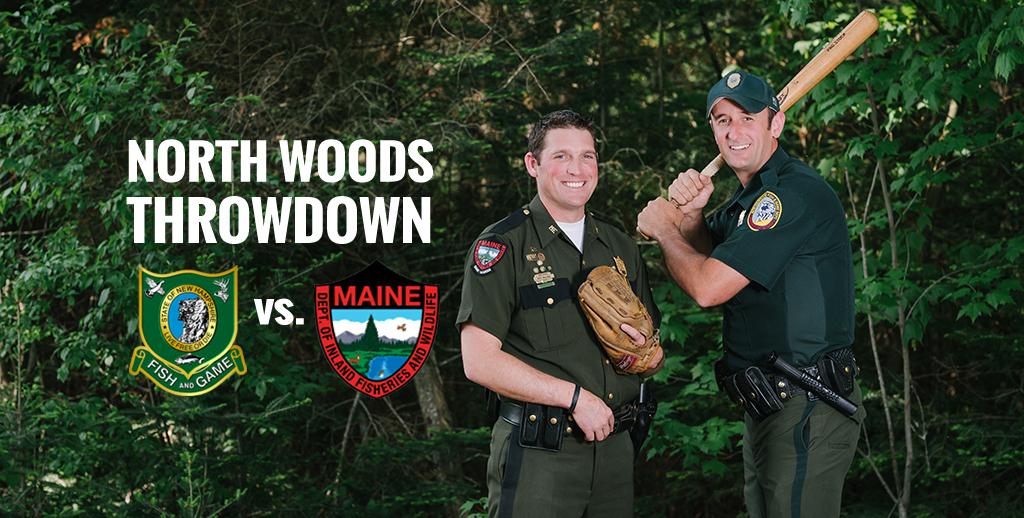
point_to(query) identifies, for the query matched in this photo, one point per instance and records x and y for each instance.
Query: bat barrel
(828, 58)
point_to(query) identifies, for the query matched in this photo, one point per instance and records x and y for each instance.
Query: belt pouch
(837, 370)
(721, 374)
(727, 382)
(541, 427)
(493, 404)
(759, 398)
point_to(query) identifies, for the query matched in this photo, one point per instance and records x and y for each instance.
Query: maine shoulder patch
(487, 252)
(766, 212)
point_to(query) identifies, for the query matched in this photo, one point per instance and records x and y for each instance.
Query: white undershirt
(574, 231)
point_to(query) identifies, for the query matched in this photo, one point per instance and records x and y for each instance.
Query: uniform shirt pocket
(552, 318)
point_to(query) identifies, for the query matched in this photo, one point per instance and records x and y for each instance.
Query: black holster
(646, 406)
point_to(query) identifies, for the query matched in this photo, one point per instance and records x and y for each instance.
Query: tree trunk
(429, 390)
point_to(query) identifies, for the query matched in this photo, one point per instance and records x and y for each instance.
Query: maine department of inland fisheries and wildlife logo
(486, 254)
(188, 321)
(376, 328)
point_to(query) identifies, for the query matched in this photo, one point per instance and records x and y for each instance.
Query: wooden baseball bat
(844, 44)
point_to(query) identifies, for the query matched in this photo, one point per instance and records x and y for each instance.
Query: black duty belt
(513, 412)
(764, 393)
(543, 427)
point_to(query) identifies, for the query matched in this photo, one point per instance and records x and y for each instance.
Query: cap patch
(486, 254)
(766, 212)
(733, 81)
(751, 92)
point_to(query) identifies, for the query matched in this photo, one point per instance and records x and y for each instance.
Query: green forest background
(919, 132)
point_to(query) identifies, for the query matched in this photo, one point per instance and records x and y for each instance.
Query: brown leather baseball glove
(608, 302)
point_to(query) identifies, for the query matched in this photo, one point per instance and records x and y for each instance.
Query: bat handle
(713, 167)
(709, 171)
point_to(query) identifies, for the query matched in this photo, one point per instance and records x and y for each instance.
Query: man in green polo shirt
(778, 259)
(525, 337)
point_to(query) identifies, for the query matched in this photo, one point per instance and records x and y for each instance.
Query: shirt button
(611, 396)
(606, 362)
(551, 301)
(584, 262)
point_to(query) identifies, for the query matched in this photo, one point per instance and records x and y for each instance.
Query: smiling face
(566, 172)
(746, 140)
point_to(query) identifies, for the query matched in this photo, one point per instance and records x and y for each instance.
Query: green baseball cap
(747, 90)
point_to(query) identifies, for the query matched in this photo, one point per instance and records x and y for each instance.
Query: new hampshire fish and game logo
(188, 321)
(376, 328)
(766, 212)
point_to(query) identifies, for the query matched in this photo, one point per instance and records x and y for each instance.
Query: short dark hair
(556, 120)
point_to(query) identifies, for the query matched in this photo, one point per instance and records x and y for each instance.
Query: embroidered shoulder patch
(766, 212)
(486, 254)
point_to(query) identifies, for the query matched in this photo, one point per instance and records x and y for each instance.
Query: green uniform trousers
(584, 479)
(795, 461)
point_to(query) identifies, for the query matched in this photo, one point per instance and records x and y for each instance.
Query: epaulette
(610, 225)
(511, 221)
(599, 218)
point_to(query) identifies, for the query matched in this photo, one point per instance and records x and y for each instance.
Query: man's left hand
(658, 218)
